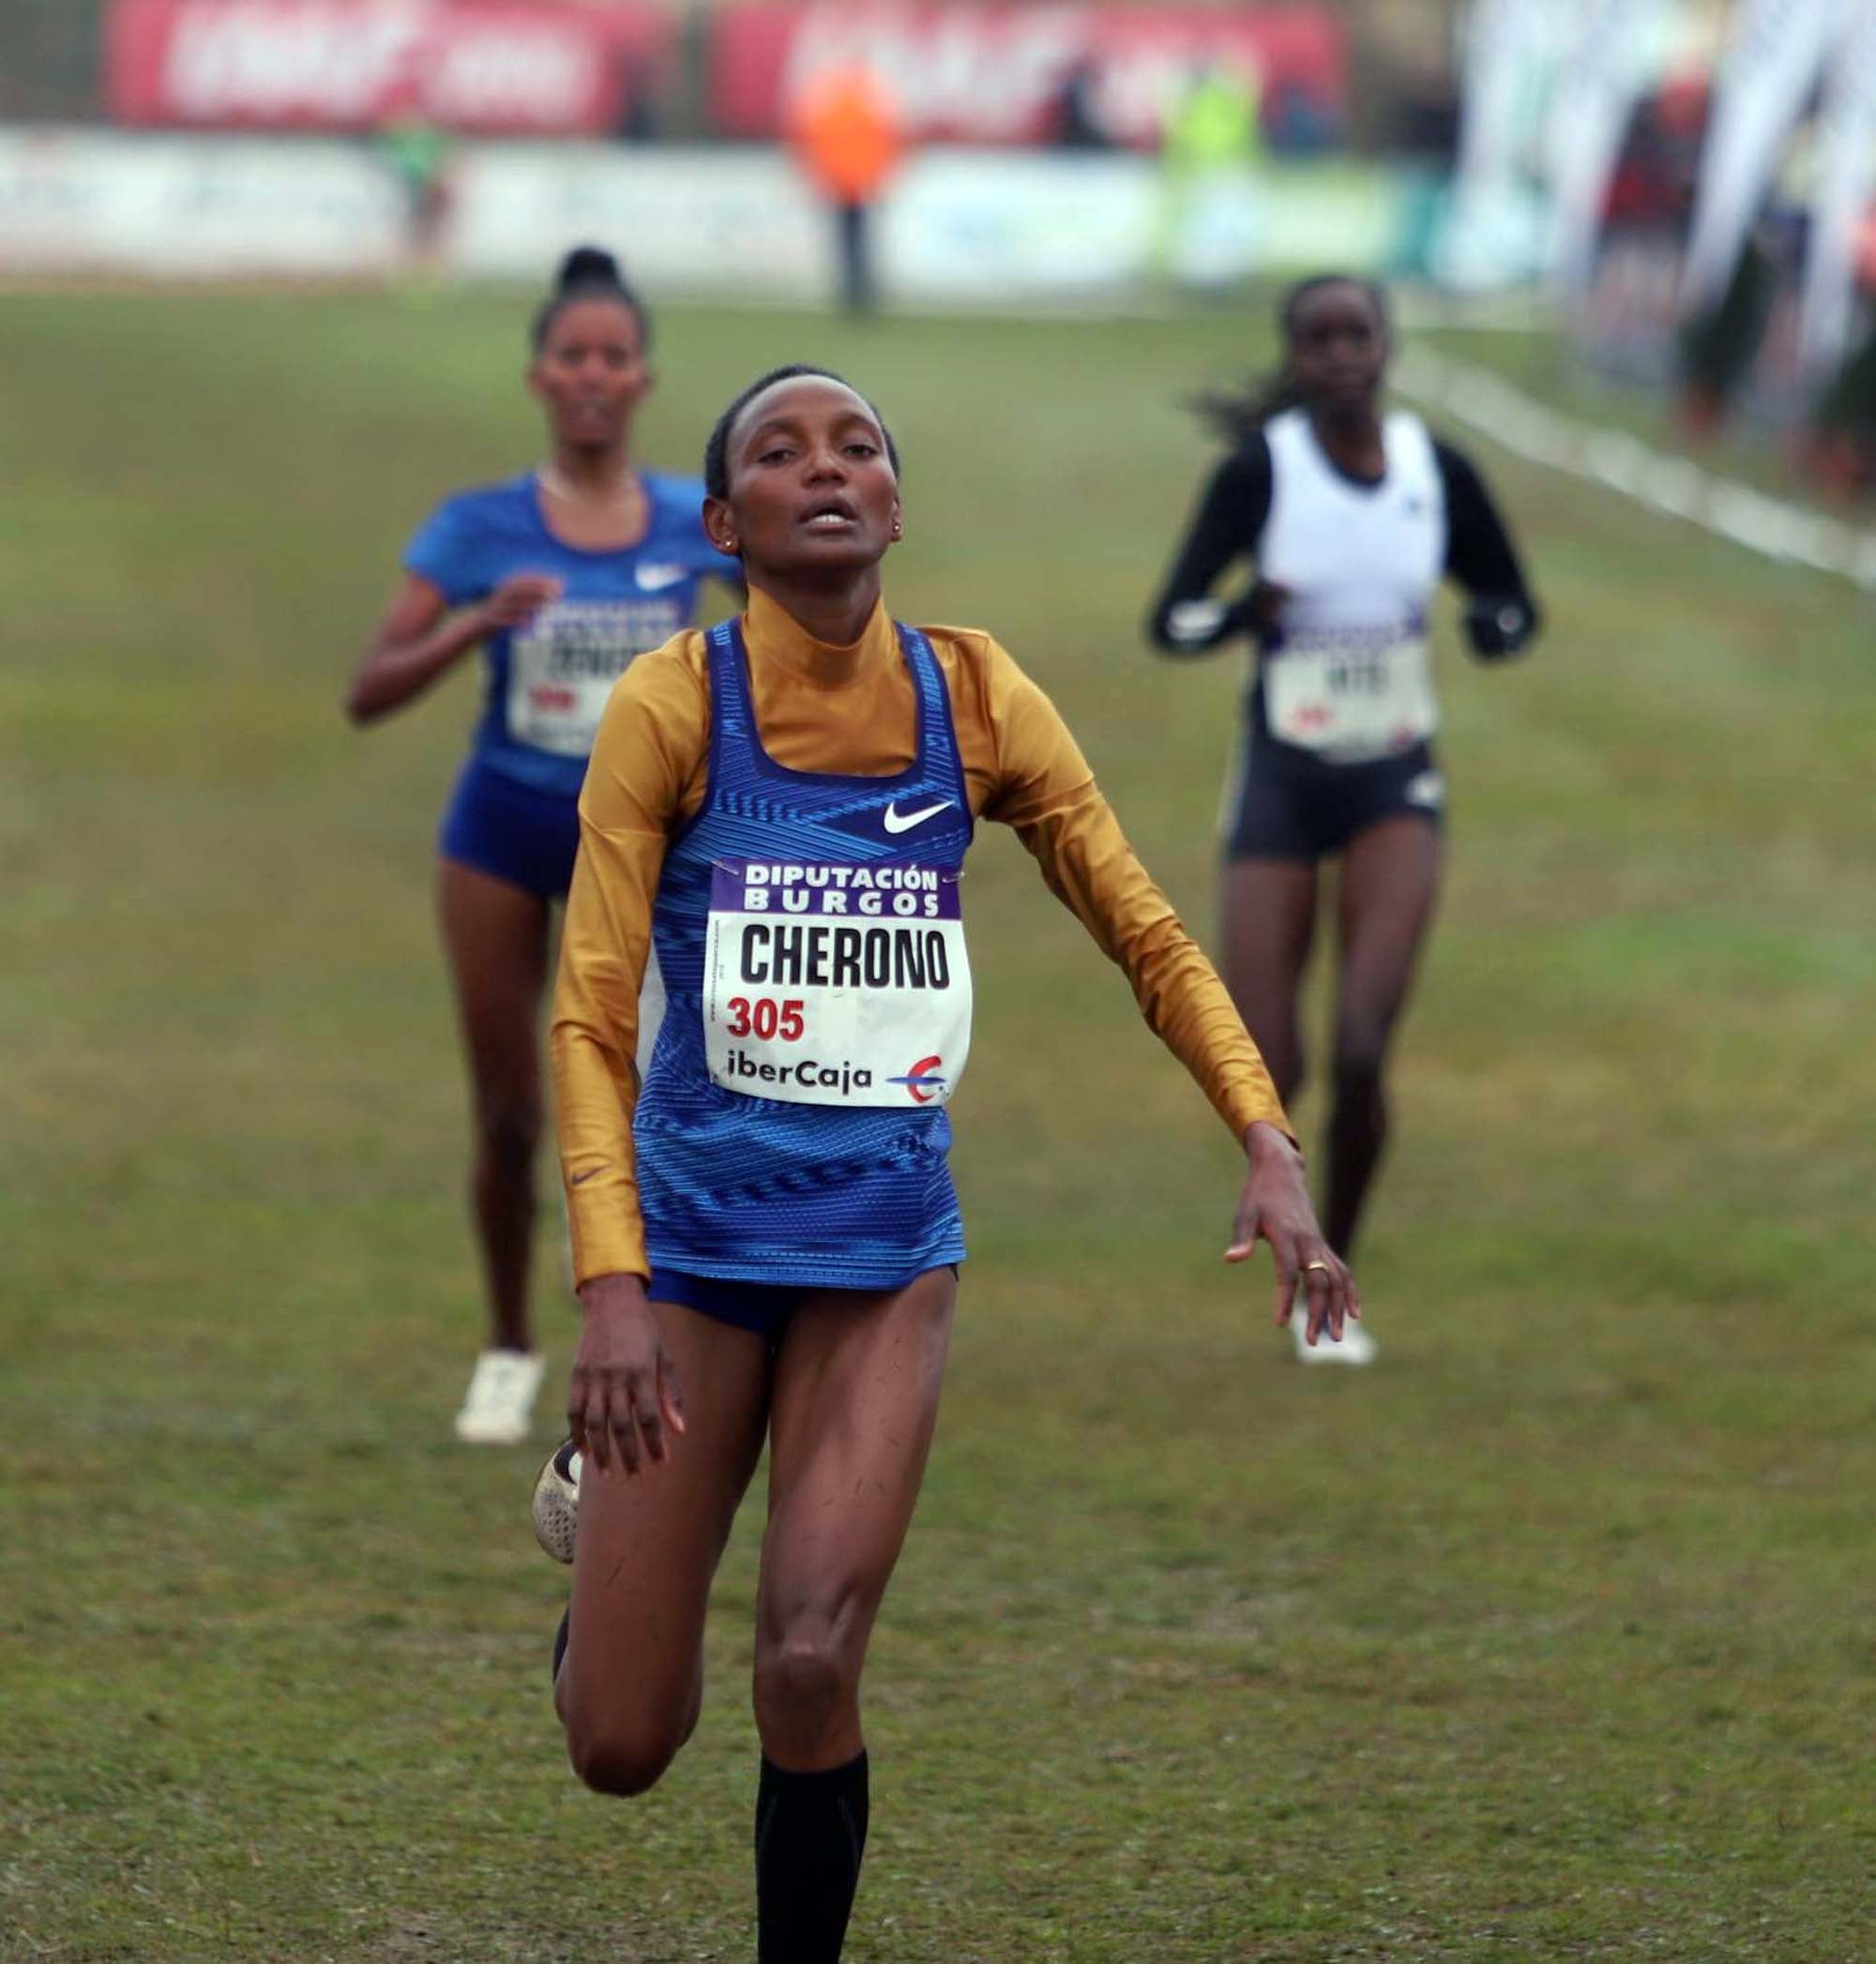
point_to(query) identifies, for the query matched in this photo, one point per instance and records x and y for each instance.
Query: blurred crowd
(1692, 181)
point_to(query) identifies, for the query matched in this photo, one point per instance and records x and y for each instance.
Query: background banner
(958, 227)
(178, 207)
(1841, 210)
(1773, 59)
(474, 64)
(1000, 73)
(1615, 49)
(1493, 235)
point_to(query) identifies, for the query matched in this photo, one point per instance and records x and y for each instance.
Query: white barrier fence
(175, 207)
(694, 222)
(1671, 486)
(958, 225)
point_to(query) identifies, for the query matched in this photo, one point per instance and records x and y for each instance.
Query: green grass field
(1550, 1638)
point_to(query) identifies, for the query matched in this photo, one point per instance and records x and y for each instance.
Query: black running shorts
(1287, 805)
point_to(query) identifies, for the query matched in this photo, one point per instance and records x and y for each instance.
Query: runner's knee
(1361, 1054)
(805, 1677)
(1289, 1072)
(507, 1130)
(622, 1760)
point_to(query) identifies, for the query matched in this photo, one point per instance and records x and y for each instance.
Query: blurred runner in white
(1350, 517)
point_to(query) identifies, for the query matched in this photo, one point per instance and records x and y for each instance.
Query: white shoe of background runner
(498, 1406)
(1356, 1347)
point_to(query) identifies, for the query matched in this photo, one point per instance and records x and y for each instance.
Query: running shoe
(1356, 1347)
(556, 1501)
(498, 1406)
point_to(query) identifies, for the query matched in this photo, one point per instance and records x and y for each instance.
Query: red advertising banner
(487, 66)
(1003, 73)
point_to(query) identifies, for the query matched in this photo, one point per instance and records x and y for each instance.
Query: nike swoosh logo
(655, 579)
(896, 820)
(581, 1179)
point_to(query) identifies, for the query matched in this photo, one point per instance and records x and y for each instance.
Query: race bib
(562, 664)
(836, 984)
(1350, 697)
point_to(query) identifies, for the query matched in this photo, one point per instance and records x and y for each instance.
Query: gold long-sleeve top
(853, 711)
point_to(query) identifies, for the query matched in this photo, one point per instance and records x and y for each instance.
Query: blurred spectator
(1078, 126)
(1213, 136)
(1296, 121)
(1658, 165)
(1217, 125)
(1421, 119)
(1719, 345)
(845, 128)
(417, 155)
(1838, 450)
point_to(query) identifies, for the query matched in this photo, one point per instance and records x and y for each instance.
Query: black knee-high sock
(811, 1833)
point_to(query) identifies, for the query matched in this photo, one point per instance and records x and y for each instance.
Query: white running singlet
(1351, 675)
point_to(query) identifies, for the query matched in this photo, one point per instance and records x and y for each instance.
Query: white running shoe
(1356, 1347)
(556, 1501)
(498, 1406)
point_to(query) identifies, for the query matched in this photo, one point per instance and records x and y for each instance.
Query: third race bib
(1351, 696)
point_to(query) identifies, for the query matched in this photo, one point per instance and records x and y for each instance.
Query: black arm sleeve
(1505, 616)
(1186, 619)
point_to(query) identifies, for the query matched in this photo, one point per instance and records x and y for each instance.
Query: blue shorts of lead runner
(764, 1309)
(512, 831)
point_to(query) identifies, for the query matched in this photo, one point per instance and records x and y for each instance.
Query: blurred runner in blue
(560, 576)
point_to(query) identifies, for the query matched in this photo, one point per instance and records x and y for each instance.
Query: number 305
(768, 1018)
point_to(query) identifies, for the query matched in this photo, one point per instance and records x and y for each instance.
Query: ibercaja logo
(922, 1081)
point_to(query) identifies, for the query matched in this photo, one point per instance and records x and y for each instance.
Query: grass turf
(1549, 1638)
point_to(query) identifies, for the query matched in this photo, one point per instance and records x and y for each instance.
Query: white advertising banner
(1772, 58)
(1493, 231)
(988, 224)
(959, 228)
(685, 220)
(1846, 184)
(1617, 46)
(179, 207)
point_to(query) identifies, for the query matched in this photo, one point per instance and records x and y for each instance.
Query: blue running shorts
(762, 1308)
(512, 831)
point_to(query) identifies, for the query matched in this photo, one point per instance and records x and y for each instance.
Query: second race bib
(1352, 697)
(836, 984)
(563, 665)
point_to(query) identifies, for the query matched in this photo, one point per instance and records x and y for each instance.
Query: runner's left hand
(1499, 625)
(1274, 1207)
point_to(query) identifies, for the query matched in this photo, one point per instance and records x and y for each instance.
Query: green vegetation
(1551, 1637)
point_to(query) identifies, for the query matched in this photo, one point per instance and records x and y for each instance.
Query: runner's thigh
(495, 935)
(852, 1410)
(1389, 883)
(648, 1543)
(1267, 919)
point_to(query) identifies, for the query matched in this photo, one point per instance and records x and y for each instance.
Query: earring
(898, 529)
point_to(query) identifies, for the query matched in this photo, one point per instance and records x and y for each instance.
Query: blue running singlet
(545, 685)
(814, 1195)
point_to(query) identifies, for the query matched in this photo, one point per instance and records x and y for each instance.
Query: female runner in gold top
(780, 804)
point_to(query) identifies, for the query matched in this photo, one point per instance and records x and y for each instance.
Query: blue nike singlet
(751, 1189)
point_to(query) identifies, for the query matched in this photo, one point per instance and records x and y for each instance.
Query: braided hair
(587, 273)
